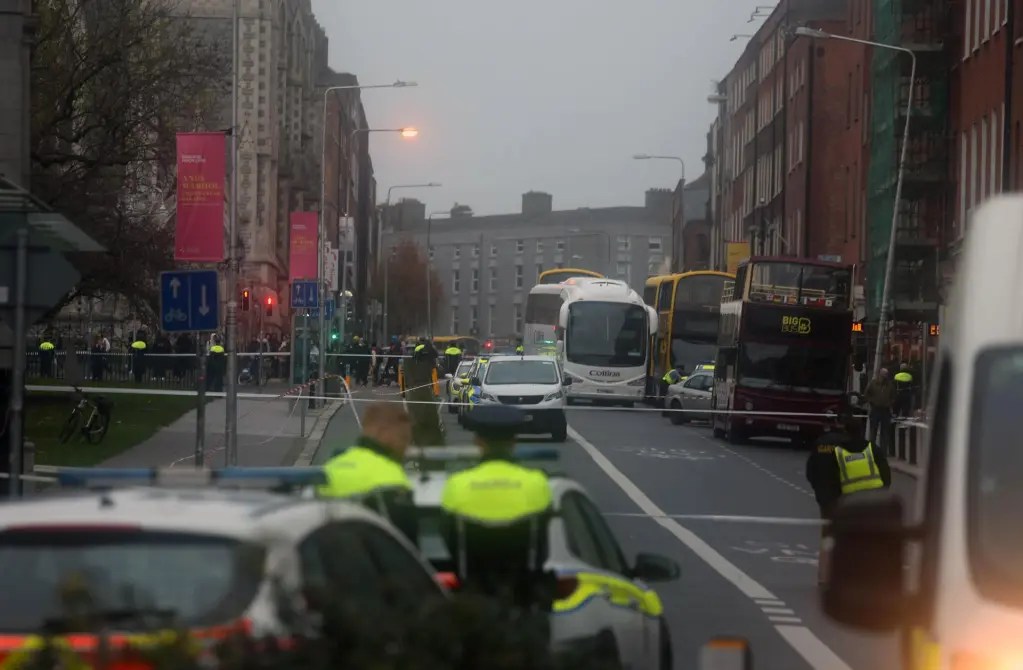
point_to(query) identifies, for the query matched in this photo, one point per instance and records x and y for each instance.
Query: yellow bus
(469, 345)
(558, 275)
(688, 308)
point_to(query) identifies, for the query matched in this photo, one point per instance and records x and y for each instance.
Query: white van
(949, 576)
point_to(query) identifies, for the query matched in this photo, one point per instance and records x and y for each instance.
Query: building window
(492, 318)
(982, 161)
(475, 251)
(430, 254)
(475, 280)
(493, 279)
(624, 271)
(539, 269)
(560, 245)
(493, 251)
(539, 247)
(457, 253)
(994, 181)
(973, 166)
(624, 243)
(964, 162)
(454, 319)
(519, 246)
(518, 276)
(652, 267)
(475, 319)
(655, 244)
(456, 281)
(967, 34)
(518, 318)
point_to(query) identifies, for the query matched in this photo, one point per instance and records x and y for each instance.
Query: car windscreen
(995, 497)
(173, 578)
(522, 372)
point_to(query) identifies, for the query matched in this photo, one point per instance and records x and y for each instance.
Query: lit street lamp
(321, 228)
(814, 33)
(380, 245)
(681, 198)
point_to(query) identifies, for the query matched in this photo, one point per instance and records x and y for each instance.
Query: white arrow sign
(204, 306)
(175, 285)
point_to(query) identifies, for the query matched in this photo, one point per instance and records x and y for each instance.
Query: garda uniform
(495, 518)
(452, 355)
(903, 392)
(138, 359)
(520, 350)
(215, 368)
(672, 376)
(367, 473)
(46, 357)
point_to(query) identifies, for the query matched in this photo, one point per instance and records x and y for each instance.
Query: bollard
(28, 467)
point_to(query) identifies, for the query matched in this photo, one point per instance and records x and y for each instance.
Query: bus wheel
(735, 436)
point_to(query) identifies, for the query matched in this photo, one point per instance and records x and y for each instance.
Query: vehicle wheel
(677, 418)
(70, 426)
(560, 432)
(718, 432)
(97, 427)
(665, 652)
(735, 436)
(606, 652)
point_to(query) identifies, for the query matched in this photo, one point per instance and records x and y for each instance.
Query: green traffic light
(333, 336)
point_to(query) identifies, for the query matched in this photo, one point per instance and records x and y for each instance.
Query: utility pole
(231, 325)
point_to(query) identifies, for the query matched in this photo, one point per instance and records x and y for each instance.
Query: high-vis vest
(46, 346)
(138, 345)
(361, 474)
(520, 349)
(857, 470)
(671, 377)
(452, 351)
(496, 493)
(419, 347)
(216, 349)
(904, 378)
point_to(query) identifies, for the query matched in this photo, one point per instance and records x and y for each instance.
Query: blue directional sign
(304, 294)
(314, 312)
(189, 301)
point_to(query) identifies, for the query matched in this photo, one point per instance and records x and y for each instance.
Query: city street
(741, 522)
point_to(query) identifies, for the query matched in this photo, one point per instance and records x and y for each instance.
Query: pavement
(271, 432)
(740, 520)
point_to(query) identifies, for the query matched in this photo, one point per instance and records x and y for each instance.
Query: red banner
(199, 233)
(302, 258)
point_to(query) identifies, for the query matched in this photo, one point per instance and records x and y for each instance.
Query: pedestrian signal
(245, 300)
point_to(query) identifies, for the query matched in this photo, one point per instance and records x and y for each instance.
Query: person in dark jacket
(829, 474)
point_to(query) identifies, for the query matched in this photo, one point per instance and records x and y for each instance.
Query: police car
(692, 394)
(469, 393)
(454, 386)
(184, 554)
(604, 606)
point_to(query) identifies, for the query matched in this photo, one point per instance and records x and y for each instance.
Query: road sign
(304, 294)
(314, 312)
(189, 301)
(50, 277)
(330, 273)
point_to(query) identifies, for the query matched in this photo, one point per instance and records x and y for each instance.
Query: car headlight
(556, 395)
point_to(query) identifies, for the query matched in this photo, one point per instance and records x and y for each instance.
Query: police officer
(903, 391)
(520, 350)
(842, 463)
(138, 356)
(215, 367)
(46, 349)
(371, 470)
(673, 376)
(495, 517)
(451, 357)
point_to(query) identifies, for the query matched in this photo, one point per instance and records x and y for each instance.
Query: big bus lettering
(796, 324)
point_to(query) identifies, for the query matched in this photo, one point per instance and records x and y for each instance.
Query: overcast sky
(550, 95)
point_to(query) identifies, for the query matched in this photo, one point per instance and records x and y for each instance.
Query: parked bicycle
(90, 417)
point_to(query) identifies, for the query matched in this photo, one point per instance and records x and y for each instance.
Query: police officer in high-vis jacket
(495, 517)
(843, 463)
(672, 376)
(371, 470)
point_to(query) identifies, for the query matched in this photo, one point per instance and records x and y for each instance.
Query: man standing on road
(372, 472)
(840, 464)
(880, 395)
(496, 514)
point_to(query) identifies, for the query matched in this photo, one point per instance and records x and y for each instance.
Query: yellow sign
(735, 253)
(796, 325)
(935, 330)
(857, 327)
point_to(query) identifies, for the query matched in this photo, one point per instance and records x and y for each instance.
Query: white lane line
(782, 521)
(809, 646)
(753, 463)
(778, 610)
(805, 643)
(788, 619)
(769, 603)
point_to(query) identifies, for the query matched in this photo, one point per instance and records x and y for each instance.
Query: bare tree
(112, 81)
(406, 300)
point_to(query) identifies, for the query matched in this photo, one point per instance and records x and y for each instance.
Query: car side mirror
(448, 375)
(655, 568)
(865, 583)
(566, 381)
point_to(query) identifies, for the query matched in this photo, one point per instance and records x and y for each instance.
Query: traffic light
(334, 335)
(245, 300)
(269, 305)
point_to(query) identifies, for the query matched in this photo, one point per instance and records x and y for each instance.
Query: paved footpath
(269, 434)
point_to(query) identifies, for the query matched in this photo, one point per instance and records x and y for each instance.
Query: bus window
(650, 294)
(664, 295)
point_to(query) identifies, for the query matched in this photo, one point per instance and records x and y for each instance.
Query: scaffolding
(919, 25)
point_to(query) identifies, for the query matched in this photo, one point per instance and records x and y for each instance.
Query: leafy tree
(406, 288)
(112, 82)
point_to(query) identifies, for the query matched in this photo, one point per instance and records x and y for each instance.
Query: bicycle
(90, 417)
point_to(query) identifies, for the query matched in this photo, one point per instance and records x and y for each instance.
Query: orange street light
(409, 132)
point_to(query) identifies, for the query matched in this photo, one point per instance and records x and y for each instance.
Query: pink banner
(199, 233)
(302, 259)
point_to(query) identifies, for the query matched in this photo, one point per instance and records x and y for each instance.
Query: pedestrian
(880, 395)
(903, 391)
(138, 356)
(216, 366)
(362, 356)
(496, 515)
(46, 348)
(372, 472)
(843, 463)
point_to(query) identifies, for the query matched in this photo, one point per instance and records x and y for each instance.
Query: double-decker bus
(604, 340)
(558, 275)
(688, 308)
(784, 343)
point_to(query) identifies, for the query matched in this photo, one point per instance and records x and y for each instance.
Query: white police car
(214, 561)
(533, 384)
(604, 606)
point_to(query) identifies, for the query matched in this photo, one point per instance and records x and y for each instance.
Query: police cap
(496, 422)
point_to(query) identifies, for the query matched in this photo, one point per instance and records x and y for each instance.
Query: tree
(112, 82)
(406, 288)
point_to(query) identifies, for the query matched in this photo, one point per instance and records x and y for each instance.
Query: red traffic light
(269, 301)
(245, 300)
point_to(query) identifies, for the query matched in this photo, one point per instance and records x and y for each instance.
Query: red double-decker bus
(784, 343)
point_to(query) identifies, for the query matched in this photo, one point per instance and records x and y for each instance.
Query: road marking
(800, 638)
(769, 603)
(778, 610)
(753, 463)
(779, 520)
(787, 619)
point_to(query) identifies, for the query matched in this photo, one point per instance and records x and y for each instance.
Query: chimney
(658, 202)
(537, 203)
(461, 211)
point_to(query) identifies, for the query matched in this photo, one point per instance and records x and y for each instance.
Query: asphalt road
(740, 520)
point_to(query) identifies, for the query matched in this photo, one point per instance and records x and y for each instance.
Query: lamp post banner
(199, 222)
(303, 262)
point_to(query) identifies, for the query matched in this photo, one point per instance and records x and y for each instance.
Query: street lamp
(681, 199)
(321, 228)
(814, 33)
(380, 245)
(735, 37)
(429, 267)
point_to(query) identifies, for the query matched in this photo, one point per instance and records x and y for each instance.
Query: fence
(907, 450)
